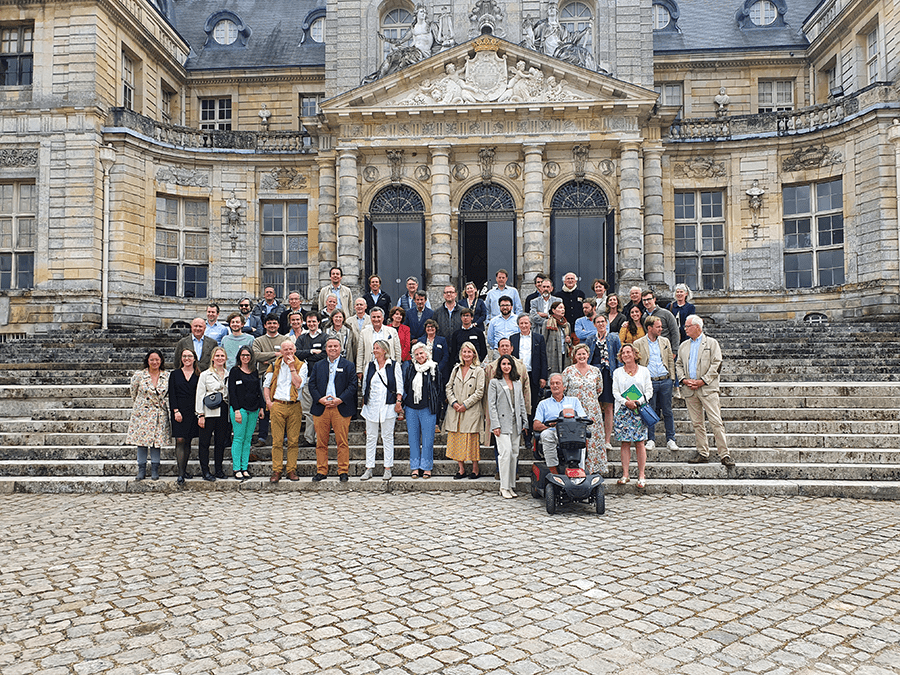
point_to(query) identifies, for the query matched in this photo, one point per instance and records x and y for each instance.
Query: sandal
(427, 474)
(642, 483)
(414, 474)
(623, 481)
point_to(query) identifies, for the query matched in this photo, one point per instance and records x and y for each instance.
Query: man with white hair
(546, 415)
(697, 371)
(572, 297)
(634, 298)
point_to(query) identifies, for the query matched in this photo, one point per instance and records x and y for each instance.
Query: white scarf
(418, 380)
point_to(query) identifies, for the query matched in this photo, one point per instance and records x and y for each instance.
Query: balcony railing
(780, 123)
(264, 142)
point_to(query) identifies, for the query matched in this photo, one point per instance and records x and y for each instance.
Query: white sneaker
(513, 493)
(367, 475)
(649, 445)
(506, 494)
(387, 475)
(672, 445)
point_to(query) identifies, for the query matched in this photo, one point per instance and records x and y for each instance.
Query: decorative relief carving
(607, 167)
(513, 171)
(811, 157)
(283, 178)
(755, 195)
(422, 173)
(551, 169)
(700, 167)
(486, 159)
(179, 176)
(19, 157)
(460, 171)
(487, 14)
(395, 158)
(370, 174)
(579, 157)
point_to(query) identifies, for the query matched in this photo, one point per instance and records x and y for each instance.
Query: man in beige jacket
(697, 369)
(656, 354)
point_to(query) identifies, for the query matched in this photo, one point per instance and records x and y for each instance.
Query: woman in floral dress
(585, 382)
(628, 426)
(149, 427)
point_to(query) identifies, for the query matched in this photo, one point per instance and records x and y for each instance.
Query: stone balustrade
(784, 123)
(263, 142)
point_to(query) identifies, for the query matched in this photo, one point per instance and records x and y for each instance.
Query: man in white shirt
(492, 300)
(503, 325)
(377, 331)
(281, 392)
(546, 415)
(214, 329)
(656, 353)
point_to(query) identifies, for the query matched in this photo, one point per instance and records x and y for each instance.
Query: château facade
(158, 155)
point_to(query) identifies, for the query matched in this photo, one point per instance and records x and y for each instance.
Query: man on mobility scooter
(561, 425)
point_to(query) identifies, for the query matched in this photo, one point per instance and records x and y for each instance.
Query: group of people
(475, 367)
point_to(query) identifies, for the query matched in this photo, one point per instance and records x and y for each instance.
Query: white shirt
(283, 388)
(383, 409)
(525, 344)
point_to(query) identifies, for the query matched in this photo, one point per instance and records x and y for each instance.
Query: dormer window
(317, 30)
(665, 15)
(225, 32)
(313, 27)
(761, 13)
(226, 29)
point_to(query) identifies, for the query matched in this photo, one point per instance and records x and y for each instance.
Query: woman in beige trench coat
(465, 416)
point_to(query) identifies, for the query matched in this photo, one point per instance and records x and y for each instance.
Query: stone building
(157, 155)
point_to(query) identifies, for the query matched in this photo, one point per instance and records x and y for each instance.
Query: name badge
(237, 382)
(339, 370)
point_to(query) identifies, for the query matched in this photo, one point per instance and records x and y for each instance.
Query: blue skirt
(628, 426)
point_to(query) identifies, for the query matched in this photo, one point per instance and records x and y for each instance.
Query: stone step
(720, 487)
(654, 470)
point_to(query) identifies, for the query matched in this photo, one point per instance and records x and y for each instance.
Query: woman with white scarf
(382, 397)
(423, 392)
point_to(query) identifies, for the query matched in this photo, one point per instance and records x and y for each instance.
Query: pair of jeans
(661, 402)
(243, 435)
(420, 427)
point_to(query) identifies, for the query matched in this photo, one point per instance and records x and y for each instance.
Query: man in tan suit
(377, 331)
(656, 355)
(698, 367)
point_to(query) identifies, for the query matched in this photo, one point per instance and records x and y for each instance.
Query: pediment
(488, 72)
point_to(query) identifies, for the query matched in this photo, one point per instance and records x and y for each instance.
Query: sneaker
(727, 462)
(367, 475)
(698, 459)
(387, 475)
(672, 445)
(649, 445)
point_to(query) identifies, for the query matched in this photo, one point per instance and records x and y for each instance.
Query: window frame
(796, 248)
(575, 24)
(761, 9)
(182, 264)
(128, 79)
(398, 29)
(22, 58)
(317, 30)
(665, 88)
(871, 55)
(290, 276)
(660, 10)
(776, 101)
(709, 263)
(218, 121)
(228, 34)
(13, 251)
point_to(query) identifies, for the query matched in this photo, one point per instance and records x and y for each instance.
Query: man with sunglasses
(252, 324)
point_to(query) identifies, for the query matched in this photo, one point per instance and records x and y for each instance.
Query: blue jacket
(416, 327)
(345, 386)
(613, 345)
(539, 368)
(440, 354)
(479, 312)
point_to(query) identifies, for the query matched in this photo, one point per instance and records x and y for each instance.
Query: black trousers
(221, 427)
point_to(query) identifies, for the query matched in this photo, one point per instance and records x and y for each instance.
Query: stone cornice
(683, 63)
(207, 78)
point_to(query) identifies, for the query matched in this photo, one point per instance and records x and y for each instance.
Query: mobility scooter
(574, 485)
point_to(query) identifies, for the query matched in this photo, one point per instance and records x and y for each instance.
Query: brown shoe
(275, 477)
(727, 462)
(292, 475)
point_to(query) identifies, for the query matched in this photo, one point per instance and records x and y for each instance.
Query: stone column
(349, 250)
(654, 267)
(327, 204)
(631, 238)
(894, 137)
(440, 262)
(533, 248)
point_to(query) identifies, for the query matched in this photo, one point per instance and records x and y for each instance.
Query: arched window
(396, 25)
(395, 238)
(581, 232)
(487, 233)
(225, 32)
(665, 15)
(763, 13)
(576, 17)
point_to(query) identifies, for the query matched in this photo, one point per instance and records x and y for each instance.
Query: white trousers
(387, 440)
(507, 458)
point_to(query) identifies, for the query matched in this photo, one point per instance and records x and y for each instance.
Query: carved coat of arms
(486, 73)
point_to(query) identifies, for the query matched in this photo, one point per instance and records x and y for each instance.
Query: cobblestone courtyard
(447, 583)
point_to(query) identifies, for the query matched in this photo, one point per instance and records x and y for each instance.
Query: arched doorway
(395, 239)
(582, 232)
(487, 234)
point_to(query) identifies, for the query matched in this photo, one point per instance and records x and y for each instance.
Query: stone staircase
(64, 409)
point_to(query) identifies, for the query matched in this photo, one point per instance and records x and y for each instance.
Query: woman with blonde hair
(213, 420)
(632, 387)
(465, 419)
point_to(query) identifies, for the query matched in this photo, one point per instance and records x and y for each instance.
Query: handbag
(648, 415)
(214, 400)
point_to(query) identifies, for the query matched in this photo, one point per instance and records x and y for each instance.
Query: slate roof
(706, 25)
(276, 30)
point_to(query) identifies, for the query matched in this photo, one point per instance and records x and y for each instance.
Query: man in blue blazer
(416, 316)
(332, 387)
(534, 348)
